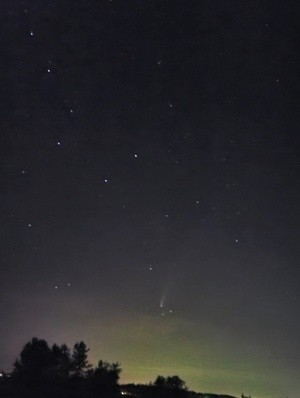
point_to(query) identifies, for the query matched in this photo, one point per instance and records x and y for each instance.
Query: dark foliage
(44, 372)
(80, 365)
(170, 382)
(41, 371)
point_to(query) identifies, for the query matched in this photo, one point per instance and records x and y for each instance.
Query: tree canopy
(58, 372)
(171, 382)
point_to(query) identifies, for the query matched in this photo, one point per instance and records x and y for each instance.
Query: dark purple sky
(150, 189)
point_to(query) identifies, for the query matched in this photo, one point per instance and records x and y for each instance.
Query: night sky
(150, 187)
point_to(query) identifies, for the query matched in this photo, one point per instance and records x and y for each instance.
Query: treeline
(42, 371)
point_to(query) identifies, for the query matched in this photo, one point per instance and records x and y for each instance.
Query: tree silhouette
(175, 383)
(170, 382)
(61, 361)
(80, 364)
(107, 374)
(35, 360)
(160, 382)
(41, 371)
